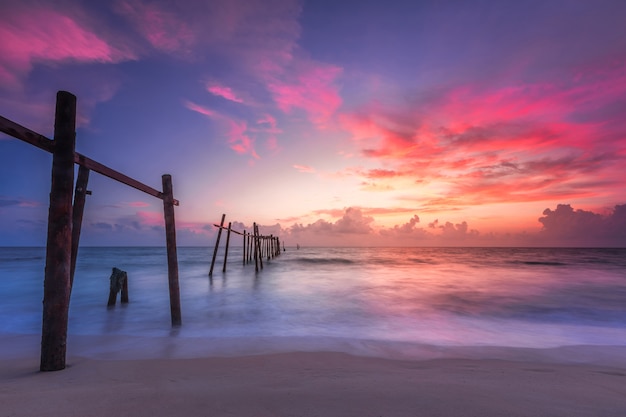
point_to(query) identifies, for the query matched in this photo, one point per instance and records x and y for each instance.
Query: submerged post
(56, 287)
(77, 215)
(172, 257)
(217, 244)
(227, 243)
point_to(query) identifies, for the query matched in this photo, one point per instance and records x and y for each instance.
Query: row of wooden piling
(255, 246)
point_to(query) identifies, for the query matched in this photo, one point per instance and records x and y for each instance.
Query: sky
(408, 123)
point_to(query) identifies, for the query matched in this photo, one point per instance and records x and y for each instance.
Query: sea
(415, 303)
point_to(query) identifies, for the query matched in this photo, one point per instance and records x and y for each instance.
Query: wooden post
(56, 286)
(250, 240)
(117, 282)
(217, 244)
(124, 295)
(256, 247)
(259, 247)
(243, 248)
(172, 256)
(227, 243)
(77, 215)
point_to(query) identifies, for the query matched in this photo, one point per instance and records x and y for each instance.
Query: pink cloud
(304, 168)
(201, 109)
(533, 142)
(150, 218)
(163, 29)
(564, 225)
(43, 35)
(236, 131)
(137, 204)
(224, 92)
(310, 87)
(239, 139)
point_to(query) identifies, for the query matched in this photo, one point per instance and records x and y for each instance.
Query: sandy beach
(311, 384)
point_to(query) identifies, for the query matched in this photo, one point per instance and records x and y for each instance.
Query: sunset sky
(328, 122)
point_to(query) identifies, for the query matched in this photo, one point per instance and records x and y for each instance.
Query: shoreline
(311, 384)
(174, 347)
(165, 376)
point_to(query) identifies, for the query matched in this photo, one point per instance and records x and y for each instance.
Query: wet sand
(311, 384)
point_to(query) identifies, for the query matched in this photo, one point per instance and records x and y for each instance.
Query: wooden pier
(255, 246)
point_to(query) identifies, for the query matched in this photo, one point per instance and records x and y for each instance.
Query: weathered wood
(172, 256)
(227, 243)
(249, 248)
(243, 248)
(118, 281)
(77, 215)
(118, 176)
(258, 243)
(124, 295)
(256, 248)
(22, 133)
(56, 294)
(217, 244)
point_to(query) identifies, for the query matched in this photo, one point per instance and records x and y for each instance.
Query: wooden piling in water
(217, 244)
(250, 245)
(56, 294)
(80, 192)
(256, 254)
(243, 248)
(227, 243)
(172, 256)
(118, 283)
(259, 245)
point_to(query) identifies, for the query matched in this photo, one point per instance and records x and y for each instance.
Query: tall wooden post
(172, 257)
(56, 286)
(227, 243)
(77, 215)
(243, 248)
(217, 244)
(250, 240)
(259, 246)
(256, 248)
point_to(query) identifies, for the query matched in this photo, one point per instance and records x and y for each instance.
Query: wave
(547, 263)
(325, 261)
(25, 258)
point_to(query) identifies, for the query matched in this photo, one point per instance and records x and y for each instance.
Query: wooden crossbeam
(117, 176)
(23, 133)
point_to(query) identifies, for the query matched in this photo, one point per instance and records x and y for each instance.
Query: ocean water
(397, 302)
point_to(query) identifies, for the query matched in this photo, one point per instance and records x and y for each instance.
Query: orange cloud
(472, 146)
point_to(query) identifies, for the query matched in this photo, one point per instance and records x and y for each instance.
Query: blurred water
(516, 297)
